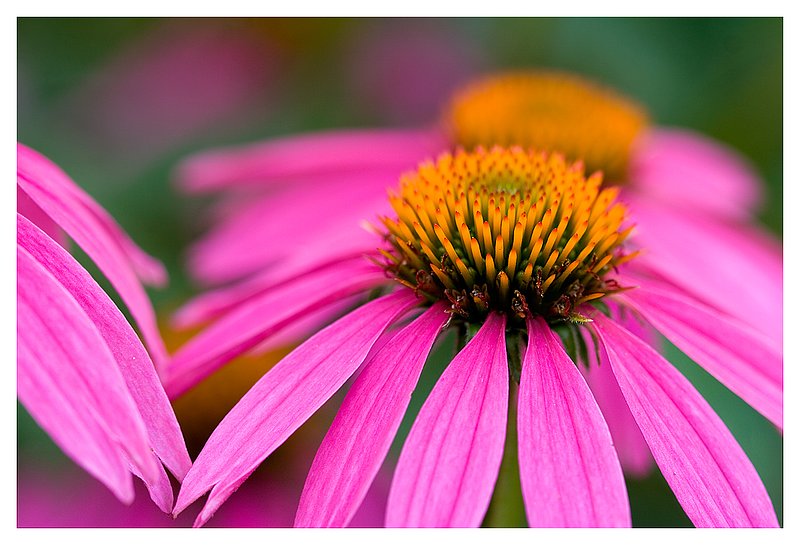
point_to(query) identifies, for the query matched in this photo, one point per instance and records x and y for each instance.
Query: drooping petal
(570, 473)
(726, 265)
(702, 462)
(740, 358)
(66, 204)
(687, 169)
(449, 464)
(362, 432)
(283, 399)
(253, 322)
(216, 303)
(296, 157)
(71, 384)
(132, 359)
(632, 450)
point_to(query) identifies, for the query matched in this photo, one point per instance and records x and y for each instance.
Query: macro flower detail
(505, 231)
(531, 261)
(680, 185)
(82, 372)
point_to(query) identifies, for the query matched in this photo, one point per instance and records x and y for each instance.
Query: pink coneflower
(82, 373)
(515, 250)
(691, 198)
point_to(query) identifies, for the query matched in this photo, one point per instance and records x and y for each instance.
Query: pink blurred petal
(256, 236)
(739, 357)
(297, 157)
(362, 432)
(70, 383)
(722, 264)
(51, 189)
(251, 323)
(569, 470)
(632, 450)
(215, 303)
(283, 399)
(450, 461)
(131, 358)
(702, 462)
(313, 320)
(687, 169)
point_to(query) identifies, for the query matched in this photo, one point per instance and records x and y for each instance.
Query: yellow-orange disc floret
(549, 111)
(509, 230)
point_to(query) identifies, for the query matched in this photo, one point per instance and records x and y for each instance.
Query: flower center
(508, 230)
(548, 111)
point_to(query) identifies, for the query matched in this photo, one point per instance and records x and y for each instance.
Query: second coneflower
(517, 250)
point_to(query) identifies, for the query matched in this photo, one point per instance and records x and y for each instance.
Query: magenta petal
(283, 399)
(449, 464)
(297, 157)
(685, 168)
(739, 357)
(362, 432)
(632, 450)
(702, 462)
(730, 266)
(215, 303)
(263, 316)
(132, 359)
(114, 254)
(254, 236)
(69, 381)
(570, 473)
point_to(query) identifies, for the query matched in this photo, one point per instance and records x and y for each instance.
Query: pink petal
(256, 237)
(632, 450)
(723, 264)
(571, 476)
(29, 209)
(69, 381)
(312, 154)
(687, 169)
(702, 462)
(739, 357)
(253, 322)
(363, 430)
(449, 464)
(283, 399)
(215, 303)
(131, 358)
(57, 195)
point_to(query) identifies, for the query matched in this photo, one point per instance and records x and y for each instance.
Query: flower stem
(507, 509)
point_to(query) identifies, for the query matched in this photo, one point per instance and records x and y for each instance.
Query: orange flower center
(510, 230)
(548, 111)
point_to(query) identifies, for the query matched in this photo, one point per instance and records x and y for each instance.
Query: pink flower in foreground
(692, 200)
(518, 250)
(82, 373)
(682, 186)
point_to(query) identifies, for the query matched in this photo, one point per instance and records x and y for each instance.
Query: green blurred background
(103, 98)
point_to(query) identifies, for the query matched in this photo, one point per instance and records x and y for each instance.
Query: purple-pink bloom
(476, 241)
(693, 200)
(82, 372)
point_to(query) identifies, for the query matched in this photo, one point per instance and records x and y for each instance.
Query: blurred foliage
(722, 77)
